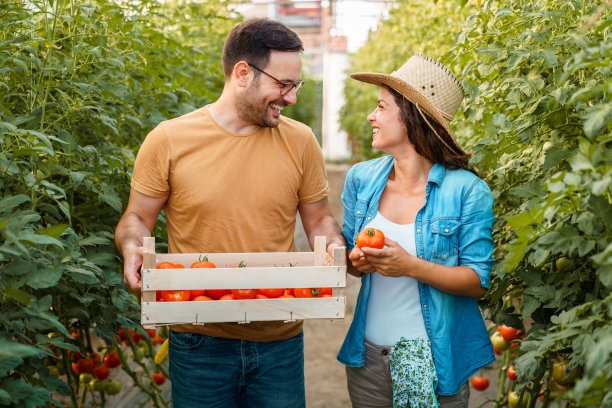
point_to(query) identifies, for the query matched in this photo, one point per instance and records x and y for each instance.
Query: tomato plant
(371, 238)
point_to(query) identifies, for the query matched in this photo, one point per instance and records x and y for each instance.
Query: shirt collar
(436, 174)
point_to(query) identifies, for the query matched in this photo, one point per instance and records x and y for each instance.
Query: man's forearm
(130, 232)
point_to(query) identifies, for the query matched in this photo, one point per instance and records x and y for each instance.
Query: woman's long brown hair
(436, 145)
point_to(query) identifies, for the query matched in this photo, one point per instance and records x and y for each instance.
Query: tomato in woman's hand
(371, 238)
(245, 293)
(272, 293)
(217, 293)
(480, 383)
(176, 295)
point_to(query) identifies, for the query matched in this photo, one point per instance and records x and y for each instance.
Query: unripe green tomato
(60, 368)
(559, 371)
(498, 342)
(112, 388)
(564, 263)
(85, 378)
(144, 350)
(98, 385)
(53, 370)
(513, 400)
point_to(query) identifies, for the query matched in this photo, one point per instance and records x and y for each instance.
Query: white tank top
(394, 304)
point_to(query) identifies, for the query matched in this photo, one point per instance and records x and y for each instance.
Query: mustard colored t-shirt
(231, 192)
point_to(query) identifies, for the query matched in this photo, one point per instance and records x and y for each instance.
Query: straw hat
(426, 83)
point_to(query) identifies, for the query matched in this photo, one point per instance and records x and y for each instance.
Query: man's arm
(137, 222)
(318, 221)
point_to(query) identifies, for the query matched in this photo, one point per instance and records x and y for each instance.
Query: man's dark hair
(253, 40)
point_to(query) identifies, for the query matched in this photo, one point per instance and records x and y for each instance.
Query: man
(232, 176)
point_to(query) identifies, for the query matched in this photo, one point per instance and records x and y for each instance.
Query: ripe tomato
(260, 296)
(200, 298)
(511, 373)
(176, 295)
(84, 365)
(121, 333)
(509, 333)
(217, 293)
(286, 297)
(158, 340)
(112, 360)
(326, 291)
(272, 293)
(229, 296)
(289, 291)
(197, 292)
(371, 238)
(242, 264)
(158, 378)
(203, 262)
(151, 332)
(158, 297)
(245, 293)
(480, 383)
(165, 265)
(306, 292)
(101, 372)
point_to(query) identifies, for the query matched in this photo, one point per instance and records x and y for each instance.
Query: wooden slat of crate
(254, 259)
(244, 278)
(161, 313)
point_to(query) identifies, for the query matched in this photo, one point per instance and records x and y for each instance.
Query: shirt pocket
(446, 238)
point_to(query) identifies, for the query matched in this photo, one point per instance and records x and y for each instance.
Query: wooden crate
(263, 270)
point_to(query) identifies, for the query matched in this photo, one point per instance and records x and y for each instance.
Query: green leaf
(18, 295)
(597, 118)
(55, 231)
(9, 203)
(45, 278)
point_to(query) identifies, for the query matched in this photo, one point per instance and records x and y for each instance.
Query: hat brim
(407, 91)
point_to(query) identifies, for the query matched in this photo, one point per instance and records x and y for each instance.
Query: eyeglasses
(287, 86)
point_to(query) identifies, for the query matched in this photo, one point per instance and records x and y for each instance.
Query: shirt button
(429, 331)
(369, 218)
(446, 230)
(358, 212)
(424, 306)
(418, 230)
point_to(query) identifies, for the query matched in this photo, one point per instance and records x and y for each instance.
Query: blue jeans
(218, 372)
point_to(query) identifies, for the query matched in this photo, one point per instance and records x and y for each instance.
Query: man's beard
(254, 110)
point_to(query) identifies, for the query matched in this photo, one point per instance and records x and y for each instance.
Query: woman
(417, 335)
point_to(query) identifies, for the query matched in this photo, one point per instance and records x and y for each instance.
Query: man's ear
(241, 73)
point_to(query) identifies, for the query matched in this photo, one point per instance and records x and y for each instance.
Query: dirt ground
(325, 377)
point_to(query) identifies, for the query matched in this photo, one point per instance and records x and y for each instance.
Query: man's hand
(131, 267)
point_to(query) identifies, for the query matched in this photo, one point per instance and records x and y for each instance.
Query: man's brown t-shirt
(231, 192)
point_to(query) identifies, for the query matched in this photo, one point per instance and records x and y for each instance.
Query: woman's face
(388, 130)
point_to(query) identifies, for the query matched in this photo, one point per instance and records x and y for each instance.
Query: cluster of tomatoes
(232, 294)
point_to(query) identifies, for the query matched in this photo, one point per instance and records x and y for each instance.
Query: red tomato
(136, 336)
(95, 357)
(101, 372)
(198, 292)
(151, 332)
(121, 333)
(217, 293)
(306, 292)
(158, 297)
(84, 365)
(509, 333)
(260, 296)
(229, 296)
(286, 297)
(75, 335)
(201, 298)
(158, 378)
(289, 291)
(371, 238)
(203, 262)
(326, 291)
(272, 293)
(245, 293)
(511, 373)
(158, 340)
(112, 360)
(480, 383)
(242, 264)
(176, 295)
(165, 265)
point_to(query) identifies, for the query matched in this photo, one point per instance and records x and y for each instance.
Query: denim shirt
(453, 228)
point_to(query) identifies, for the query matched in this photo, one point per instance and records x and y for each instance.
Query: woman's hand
(392, 260)
(359, 262)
